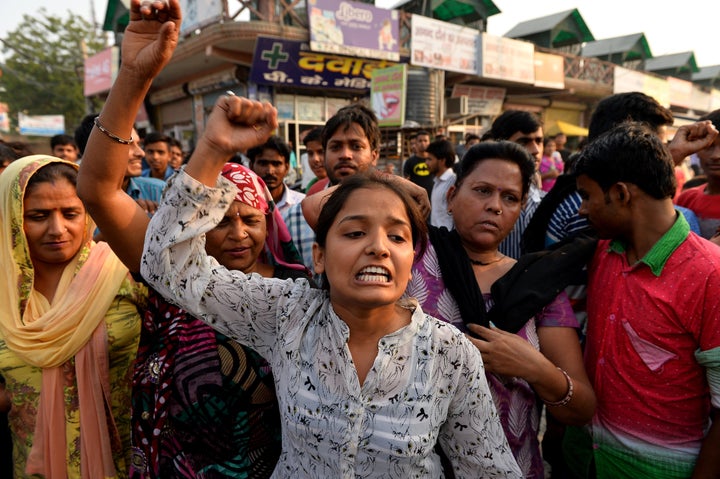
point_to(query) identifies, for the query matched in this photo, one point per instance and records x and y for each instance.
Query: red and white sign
(100, 71)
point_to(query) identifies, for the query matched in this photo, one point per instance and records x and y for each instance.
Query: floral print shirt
(427, 385)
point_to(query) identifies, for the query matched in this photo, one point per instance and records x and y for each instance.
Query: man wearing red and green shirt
(653, 340)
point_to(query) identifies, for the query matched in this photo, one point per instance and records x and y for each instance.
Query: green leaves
(43, 68)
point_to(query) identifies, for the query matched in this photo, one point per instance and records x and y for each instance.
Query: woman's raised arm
(148, 44)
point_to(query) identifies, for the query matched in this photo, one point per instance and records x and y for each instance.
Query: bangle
(110, 134)
(568, 395)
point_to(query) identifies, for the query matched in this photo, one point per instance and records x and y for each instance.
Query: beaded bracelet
(111, 135)
(567, 397)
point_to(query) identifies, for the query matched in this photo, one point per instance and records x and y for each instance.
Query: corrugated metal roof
(707, 73)
(484, 7)
(609, 46)
(537, 25)
(674, 60)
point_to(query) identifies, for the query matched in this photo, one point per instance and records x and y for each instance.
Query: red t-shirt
(643, 332)
(706, 208)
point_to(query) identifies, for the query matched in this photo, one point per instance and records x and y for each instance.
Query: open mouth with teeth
(373, 274)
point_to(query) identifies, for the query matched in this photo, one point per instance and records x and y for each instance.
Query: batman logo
(421, 169)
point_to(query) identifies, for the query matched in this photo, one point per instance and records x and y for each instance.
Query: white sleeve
(243, 307)
(472, 437)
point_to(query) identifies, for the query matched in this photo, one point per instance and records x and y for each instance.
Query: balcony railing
(584, 68)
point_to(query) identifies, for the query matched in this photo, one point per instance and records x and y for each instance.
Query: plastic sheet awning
(568, 128)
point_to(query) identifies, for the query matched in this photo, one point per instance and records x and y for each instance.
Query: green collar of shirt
(661, 251)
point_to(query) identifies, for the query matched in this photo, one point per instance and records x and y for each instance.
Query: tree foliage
(43, 68)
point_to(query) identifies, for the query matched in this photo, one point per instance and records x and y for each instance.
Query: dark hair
(274, 143)
(714, 117)
(313, 135)
(498, 150)
(471, 137)
(422, 133)
(20, 148)
(547, 140)
(443, 151)
(346, 116)
(632, 106)
(696, 180)
(62, 139)
(157, 137)
(512, 121)
(175, 142)
(51, 173)
(82, 132)
(339, 198)
(629, 152)
(7, 154)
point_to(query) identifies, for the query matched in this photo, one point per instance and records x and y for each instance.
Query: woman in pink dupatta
(69, 327)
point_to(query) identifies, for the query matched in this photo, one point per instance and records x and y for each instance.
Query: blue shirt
(141, 188)
(169, 171)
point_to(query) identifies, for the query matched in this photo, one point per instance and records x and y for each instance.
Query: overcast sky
(670, 26)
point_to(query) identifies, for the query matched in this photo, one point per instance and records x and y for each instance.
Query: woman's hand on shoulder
(507, 354)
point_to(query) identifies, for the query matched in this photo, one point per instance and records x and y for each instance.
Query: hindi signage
(443, 45)
(507, 59)
(481, 100)
(287, 62)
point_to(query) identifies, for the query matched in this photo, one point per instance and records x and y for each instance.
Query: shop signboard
(100, 71)
(387, 94)
(680, 92)
(199, 13)
(287, 62)
(481, 100)
(41, 125)
(4, 118)
(506, 59)
(626, 80)
(549, 71)
(442, 45)
(354, 29)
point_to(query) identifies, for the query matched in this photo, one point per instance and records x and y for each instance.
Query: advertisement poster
(387, 94)
(353, 28)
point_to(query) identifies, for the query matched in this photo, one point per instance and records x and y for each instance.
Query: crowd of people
(199, 317)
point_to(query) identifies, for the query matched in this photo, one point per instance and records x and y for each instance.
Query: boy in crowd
(440, 160)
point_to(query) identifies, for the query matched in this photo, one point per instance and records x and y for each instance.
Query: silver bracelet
(110, 134)
(568, 395)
